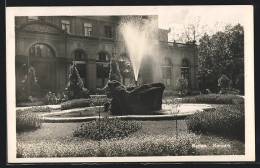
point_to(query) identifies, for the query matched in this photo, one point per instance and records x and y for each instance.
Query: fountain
(138, 34)
(140, 100)
(139, 37)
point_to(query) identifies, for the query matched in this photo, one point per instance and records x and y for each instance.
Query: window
(166, 71)
(87, 29)
(185, 70)
(65, 25)
(102, 69)
(79, 55)
(108, 31)
(185, 63)
(102, 57)
(41, 50)
(32, 18)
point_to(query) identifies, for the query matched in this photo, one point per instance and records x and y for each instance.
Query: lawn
(155, 138)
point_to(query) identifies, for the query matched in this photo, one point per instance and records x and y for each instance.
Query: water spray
(137, 35)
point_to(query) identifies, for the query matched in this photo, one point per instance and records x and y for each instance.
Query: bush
(146, 145)
(97, 91)
(108, 127)
(27, 121)
(239, 83)
(27, 87)
(39, 109)
(77, 103)
(183, 84)
(52, 98)
(226, 121)
(214, 99)
(99, 101)
(150, 145)
(75, 88)
(223, 83)
(29, 104)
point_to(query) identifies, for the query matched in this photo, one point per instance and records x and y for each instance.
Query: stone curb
(128, 117)
(125, 117)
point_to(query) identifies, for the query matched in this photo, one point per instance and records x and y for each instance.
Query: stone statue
(147, 97)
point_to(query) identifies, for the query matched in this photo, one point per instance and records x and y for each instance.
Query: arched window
(125, 67)
(103, 57)
(167, 71)
(41, 50)
(79, 55)
(185, 70)
(40, 55)
(80, 60)
(102, 62)
(185, 62)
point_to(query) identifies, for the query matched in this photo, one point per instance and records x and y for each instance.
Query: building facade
(51, 43)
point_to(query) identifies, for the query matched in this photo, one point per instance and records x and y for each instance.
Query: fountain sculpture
(147, 97)
(138, 34)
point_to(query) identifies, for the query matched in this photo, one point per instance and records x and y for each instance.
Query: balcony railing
(178, 45)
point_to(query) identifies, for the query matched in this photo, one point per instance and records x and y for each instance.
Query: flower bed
(27, 121)
(107, 128)
(227, 121)
(214, 99)
(147, 145)
(76, 103)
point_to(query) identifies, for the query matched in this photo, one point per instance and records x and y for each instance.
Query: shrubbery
(183, 84)
(214, 99)
(108, 127)
(38, 109)
(26, 120)
(227, 121)
(77, 103)
(52, 98)
(97, 91)
(27, 104)
(28, 86)
(75, 88)
(146, 145)
(223, 83)
(150, 145)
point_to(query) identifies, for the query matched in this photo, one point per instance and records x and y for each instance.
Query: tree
(75, 87)
(28, 86)
(223, 83)
(222, 53)
(114, 73)
(183, 84)
(190, 31)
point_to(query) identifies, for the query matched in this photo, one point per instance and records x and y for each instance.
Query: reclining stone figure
(147, 97)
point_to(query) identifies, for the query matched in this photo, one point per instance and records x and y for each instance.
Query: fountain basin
(166, 114)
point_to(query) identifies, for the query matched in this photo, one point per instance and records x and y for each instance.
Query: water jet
(138, 35)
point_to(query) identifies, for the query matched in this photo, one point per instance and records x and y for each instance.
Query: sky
(175, 17)
(208, 14)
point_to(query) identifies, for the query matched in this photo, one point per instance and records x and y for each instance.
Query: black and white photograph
(130, 84)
